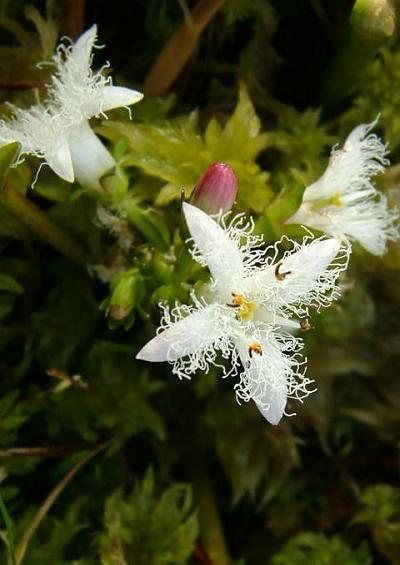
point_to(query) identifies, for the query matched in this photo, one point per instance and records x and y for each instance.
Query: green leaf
(8, 154)
(148, 527)
(47, 30)
(149, 223)
(9, 284)
(241, 135)
(380, 510)
(285, 205)
(308, 547)
(9, 529)
(176, 152)
(249, 450)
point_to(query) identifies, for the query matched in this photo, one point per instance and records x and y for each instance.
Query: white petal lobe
(82, 48)
(60, 160)
(193, 333)
(90, 158)
(117, 96)
(218, 251)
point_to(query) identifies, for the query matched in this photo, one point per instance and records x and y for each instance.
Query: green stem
(211, 531)
(41, 225)
(371, 23)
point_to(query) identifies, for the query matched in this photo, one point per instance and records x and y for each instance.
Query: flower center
(334, 200)
(244, 308)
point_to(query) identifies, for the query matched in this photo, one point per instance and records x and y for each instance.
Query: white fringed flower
(58, 130)
(344, 203)
(253, 295)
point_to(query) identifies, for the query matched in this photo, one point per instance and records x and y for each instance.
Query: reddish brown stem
(74, 17)
(42, 452)
(179, 48)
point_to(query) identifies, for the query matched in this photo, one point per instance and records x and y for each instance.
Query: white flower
(58, 130)
(253, 295)
(344, 203)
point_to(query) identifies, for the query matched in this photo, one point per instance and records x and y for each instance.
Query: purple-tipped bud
(216, 189)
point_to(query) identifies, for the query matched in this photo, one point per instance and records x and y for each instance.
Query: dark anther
(305, 325)
(281, 276)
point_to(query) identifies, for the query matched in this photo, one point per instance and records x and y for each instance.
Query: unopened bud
(127, 291)
(216, 189)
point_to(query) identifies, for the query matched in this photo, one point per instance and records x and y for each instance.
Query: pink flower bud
(216, 189)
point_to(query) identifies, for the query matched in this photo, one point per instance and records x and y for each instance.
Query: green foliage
(146, 528)
(300, 138)
(177, 153)
(309, 548)
(380, 511)
(56, 330)
(10, 531)
(12, 415)
(379, 96)
(249, 451)
(58, 536)
(8, 154)
(9, 290)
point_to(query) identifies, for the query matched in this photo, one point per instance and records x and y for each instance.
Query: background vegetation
(107, 460)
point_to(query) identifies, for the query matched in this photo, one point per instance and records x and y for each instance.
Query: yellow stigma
(336, 200)
(244, 308)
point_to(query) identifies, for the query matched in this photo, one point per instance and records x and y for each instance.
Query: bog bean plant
(199, 282)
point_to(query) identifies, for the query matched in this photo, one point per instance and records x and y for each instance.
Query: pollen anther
(281, 276)
(305, 325)
(255, 347)
(245, 308)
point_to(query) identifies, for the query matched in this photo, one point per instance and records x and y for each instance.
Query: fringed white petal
(60, 160)
(118, 96)
(350, 169)
(78, 91)
(191, 337)
(82, 49)
(90, 158)
(214, 248)
(370, 222)
(305, 276)
(272, 376)
(196, 331)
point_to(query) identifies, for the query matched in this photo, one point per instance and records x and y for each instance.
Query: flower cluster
(255, 297)
(58, 130)
(344, 202)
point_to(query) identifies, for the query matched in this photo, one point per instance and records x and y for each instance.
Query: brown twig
(74, 17)
(68, 380)
(42, 452)
(21, 85)
(49, 501)
(179, 48)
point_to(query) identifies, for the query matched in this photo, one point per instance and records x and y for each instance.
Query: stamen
(245, 308)
(255, 347)
(305, 325)
(281, 276)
